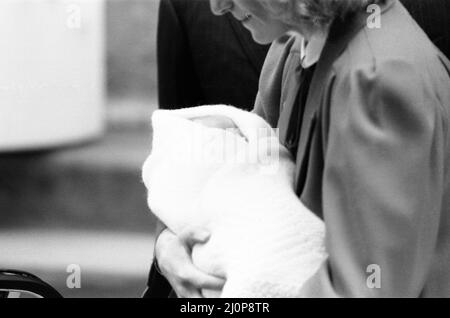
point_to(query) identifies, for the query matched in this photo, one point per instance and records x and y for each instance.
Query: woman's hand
(173, 254)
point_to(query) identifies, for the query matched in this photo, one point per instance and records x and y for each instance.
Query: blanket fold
(264, 241)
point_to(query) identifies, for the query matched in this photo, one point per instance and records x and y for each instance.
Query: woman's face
(254, 16)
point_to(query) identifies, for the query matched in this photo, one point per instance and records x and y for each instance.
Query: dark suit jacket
(202, 59)
(205, 59)
(373, 154)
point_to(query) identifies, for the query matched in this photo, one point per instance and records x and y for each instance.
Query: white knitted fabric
(263, 239)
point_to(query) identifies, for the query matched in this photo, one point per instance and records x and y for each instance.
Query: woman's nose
(220, 7)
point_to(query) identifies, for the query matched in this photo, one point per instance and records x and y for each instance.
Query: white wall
(51, 72)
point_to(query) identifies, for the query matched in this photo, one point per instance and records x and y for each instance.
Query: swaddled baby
(238, 185)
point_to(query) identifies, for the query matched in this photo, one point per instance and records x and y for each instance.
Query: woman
(366, 116)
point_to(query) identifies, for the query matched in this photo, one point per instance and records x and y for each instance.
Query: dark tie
(292, 114)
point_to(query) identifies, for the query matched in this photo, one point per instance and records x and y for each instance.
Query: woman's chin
(261, 38)
(266, 37)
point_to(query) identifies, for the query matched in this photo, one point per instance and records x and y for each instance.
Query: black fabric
(205, 59)
(296, 116)
(202, 59)
(13, 280)
(157, 285)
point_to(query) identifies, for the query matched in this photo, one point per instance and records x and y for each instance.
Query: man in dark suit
(204, 59)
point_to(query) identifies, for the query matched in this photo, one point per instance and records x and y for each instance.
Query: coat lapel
(341, 32)
(289, 91)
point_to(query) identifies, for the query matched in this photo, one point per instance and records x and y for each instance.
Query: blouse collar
(311, 51)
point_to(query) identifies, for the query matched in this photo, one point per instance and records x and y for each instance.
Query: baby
(223, 169)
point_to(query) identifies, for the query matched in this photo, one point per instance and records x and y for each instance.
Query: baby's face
(220, 122)
(215, 121)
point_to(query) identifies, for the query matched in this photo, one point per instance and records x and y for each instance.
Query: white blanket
(264, 241)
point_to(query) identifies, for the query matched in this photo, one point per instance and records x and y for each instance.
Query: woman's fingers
(175, 263)
(192, 281)
(178, 269)
(188, 292)
(201, 280)
(192, 236)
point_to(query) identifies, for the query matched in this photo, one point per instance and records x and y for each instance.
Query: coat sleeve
(382, 184)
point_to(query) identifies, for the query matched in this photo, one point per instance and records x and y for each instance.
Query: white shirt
(310, 52)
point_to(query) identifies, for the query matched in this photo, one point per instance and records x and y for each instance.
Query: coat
(373, 154)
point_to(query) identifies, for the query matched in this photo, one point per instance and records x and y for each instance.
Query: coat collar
(310, 53)
(340, 34)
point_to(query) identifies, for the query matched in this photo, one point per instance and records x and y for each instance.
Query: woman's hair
(315, 13)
